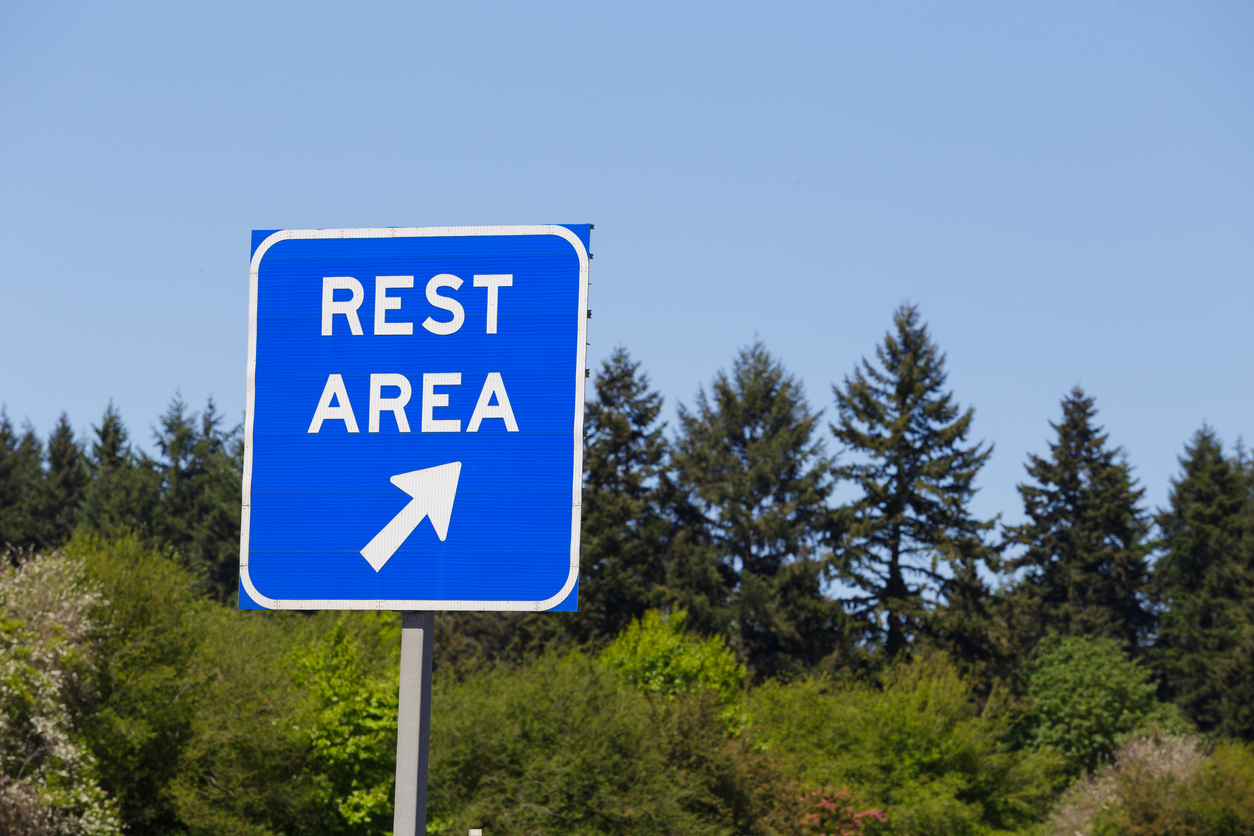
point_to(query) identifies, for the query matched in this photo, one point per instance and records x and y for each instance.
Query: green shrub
(1220, 800)
(1087, 697)
(561, 747)
(352, 730)
(656, 654)
(918, 748)
(208, 720)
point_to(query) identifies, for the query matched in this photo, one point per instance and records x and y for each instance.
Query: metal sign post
(413, 435)
(413, 724)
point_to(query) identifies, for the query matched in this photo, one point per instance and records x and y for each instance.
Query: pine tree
(123, 491)
(623, 537)
(21, 474)
(622, 570)
(1204, 580)
(63, 485)
(749, 465)
(697, 581)
(1084, 564)
(916, 474)
(198, 509)
(968, 623)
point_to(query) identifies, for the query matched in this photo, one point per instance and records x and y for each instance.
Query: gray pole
(413, 724)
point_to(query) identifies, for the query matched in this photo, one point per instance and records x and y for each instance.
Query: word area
(334, 405)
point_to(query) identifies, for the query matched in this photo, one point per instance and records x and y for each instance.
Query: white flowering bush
(1163, 785)
(47, 782)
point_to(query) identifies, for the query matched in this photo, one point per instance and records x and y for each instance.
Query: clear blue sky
(1066, 189)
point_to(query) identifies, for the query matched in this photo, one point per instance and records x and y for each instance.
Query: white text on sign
(348, 307)
(334, 405)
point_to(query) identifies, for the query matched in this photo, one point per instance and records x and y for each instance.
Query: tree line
(730, 516)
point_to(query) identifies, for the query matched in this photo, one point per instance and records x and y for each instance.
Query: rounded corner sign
(413, 437)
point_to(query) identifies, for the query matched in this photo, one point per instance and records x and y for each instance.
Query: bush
(1163, 786)
(208, 720)
(352, 731)
(48, 777)
(918, 748)
(835, 812)
(562, 747)
(657, 656)
(1087, 697)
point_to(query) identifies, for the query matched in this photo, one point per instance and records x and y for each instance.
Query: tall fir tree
(21, 474)
(625, 528)
(123, 489)
(623, 539)
(1204, 582)
(911, 536)
(198, 508)
(967, 622)
(750, 466)
(1083, 566)
(65, 481)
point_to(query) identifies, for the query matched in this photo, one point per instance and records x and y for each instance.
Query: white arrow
(433, 490)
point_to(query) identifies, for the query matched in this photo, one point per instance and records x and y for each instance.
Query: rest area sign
(413, 438)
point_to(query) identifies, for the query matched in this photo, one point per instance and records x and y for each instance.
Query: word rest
(384, 303)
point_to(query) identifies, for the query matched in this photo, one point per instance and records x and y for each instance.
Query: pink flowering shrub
(835, 813)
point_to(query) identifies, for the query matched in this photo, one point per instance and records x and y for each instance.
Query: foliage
(208, 720)
(625, 539)
(917, 746)
(61, 489)
(187, 500)
(198, 506)
(124, 490)
(146, 686)
(625, 529)
(657, 656)
(48, 778)
(751, 468)
(916, 479)
(1162, 786)
(352, 732)
(268, 754)
(1084, 569)
(21, 516)
(1204, 582)
(1087, 697)
(133, 695)
(834, 812)
(559, 746)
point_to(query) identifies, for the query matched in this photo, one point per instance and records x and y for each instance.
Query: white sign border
(580, 376)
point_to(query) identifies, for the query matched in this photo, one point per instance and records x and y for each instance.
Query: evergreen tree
(123, 489)
(968, 623)
(198, 509)
(1235, 672)
(750, 466)
(697, 581)
(1204, 580)
(63, 485)
(622, 570)
(916, 474)
(21, 461)
(624, 534)
(1084, 564)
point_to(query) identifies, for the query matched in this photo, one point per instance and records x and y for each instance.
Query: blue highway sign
(414, 430)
